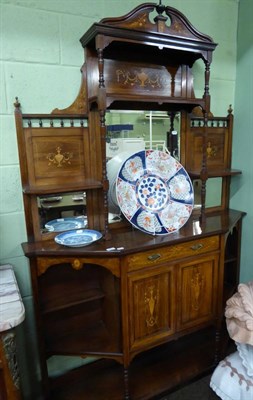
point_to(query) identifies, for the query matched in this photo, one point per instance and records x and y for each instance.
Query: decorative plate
(78, 238)
(66, 224)
(154, 192)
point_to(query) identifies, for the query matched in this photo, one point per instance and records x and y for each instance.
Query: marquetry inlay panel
(144, 78)
(218, 150)
(55, 155)
(198, 288)
(151, 302)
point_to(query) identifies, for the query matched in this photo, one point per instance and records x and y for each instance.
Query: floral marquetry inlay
(197, 285)
(58, 158)
(151, 297)
(211, 150)
(140, 22)
(138, 78)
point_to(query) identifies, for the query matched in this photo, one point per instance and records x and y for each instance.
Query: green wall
(242, 188)
(40, 60)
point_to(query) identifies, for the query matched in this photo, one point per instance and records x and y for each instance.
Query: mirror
(137, 130)
(130, 131)
(213, 192)
(65, 207)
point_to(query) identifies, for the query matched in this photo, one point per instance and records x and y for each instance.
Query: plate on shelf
(78, 237)
(154, 192)
(66, 224)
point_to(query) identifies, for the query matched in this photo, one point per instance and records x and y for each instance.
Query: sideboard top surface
(131, 240)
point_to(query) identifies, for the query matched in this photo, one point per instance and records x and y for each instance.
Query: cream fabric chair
(233, 377)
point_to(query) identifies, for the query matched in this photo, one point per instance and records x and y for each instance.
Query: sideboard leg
(217, 354)
(126, 385)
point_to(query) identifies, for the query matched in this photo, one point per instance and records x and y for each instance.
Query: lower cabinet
(172, 297)
(133, 311)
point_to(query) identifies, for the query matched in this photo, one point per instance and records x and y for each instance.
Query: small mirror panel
(60, 206)
(213, 192)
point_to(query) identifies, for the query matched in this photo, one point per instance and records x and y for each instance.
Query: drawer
(171, 253)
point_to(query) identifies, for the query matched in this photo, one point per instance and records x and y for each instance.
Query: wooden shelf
(69, 304)
(93, 339)
(152, 374)
(43, 190)
(162, 103)
(54, 116)
(215, 173)
(230, 259)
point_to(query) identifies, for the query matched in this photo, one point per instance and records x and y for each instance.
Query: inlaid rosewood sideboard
(148, 309)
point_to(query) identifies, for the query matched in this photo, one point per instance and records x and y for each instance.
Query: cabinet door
(197, 291)
(151, 306)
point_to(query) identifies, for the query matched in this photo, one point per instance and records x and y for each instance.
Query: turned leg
(126, 385)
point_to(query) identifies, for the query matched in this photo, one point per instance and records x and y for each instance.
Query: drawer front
(171, 253)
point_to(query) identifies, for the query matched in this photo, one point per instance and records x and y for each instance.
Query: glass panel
(213, 192)
(62, 205)
(129, 130)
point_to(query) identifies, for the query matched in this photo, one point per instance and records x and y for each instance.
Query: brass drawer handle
(197, 246)
(154, 257)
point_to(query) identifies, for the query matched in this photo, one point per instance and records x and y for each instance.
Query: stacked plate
(73, 231)
(66, 224)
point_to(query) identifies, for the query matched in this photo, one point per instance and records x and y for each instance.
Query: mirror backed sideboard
(131, 302)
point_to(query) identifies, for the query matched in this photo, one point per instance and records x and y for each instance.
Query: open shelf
(215, 174)
(151, 374)
(93, 297)
(91, 339)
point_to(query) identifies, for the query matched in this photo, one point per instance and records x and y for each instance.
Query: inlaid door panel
(197, 291)
(55, 156)
(151, 306)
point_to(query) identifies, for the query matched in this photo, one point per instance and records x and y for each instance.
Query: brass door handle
(154, 257)
(197, 246)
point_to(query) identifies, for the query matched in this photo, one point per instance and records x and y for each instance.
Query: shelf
(215, 173)
(151, 374)
(54, 116)
(91, 339)
(70, 187)
(186, 47)
(69, 304)
(161, 103)
(230, 259)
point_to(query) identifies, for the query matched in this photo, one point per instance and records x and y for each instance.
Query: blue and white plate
(154, 192)
(78, 237)
(66, 224)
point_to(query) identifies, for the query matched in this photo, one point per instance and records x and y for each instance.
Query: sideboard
(147, 308)
(151, 306)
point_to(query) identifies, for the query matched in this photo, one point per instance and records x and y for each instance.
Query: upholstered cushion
(233, 377)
